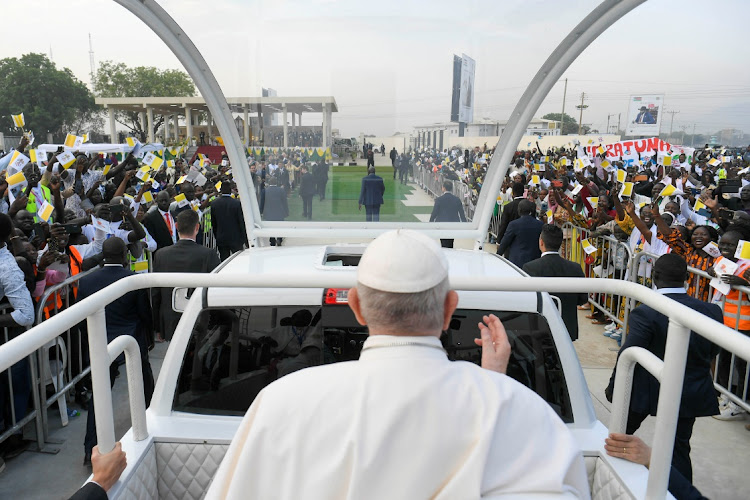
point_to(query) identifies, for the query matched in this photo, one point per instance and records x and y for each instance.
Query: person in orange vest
(733, 300)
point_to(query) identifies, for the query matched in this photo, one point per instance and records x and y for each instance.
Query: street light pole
(581, 106)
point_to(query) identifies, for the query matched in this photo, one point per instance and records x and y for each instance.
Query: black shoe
(82, 399)
(87, 460)
(14, 446)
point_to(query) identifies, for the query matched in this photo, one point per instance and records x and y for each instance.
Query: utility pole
(562, 115)
(581, 106)
(671, 121)
(692, 139)
(608, 115)
(682, 141)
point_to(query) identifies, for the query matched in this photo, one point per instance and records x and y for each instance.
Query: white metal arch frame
(155, 17)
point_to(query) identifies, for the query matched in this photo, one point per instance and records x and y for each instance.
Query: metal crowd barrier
(737, 369)
(9, 394)
(55, 299)
(432, 182)
(612, 259)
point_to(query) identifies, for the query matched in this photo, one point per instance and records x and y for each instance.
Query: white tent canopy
(99, 148)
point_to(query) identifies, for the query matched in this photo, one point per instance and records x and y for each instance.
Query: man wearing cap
(403, 421)
(371, 195)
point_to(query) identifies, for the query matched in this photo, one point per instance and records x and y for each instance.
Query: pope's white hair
(404, 313)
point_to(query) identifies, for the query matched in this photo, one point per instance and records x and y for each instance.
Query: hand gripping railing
(671, 372)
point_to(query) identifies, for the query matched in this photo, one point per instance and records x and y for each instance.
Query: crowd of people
(609, 210)
(136, 212)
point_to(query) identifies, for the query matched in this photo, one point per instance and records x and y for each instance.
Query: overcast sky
(389, 63)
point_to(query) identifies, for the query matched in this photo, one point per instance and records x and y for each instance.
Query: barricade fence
(432, 182)
(607, 257)
(614, 259)
(63, 364)
(731, 373)
(19, 389)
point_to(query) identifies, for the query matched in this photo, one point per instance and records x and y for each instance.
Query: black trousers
(307, 206)
(681, 452)
(226, 250)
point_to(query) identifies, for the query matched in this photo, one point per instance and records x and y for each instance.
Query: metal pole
(580, 117)
(562, 115)
(101, 384)
(673, 374)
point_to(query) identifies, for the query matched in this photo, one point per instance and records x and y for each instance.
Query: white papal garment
(403, 422)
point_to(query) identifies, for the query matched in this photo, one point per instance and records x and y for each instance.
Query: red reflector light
(335, 296)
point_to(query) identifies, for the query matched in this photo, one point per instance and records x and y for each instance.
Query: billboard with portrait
(466, 95)
(645, 114)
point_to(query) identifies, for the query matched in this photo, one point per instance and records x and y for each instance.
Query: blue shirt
(13, 286)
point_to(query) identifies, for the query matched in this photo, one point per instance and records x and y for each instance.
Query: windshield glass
(271, 342)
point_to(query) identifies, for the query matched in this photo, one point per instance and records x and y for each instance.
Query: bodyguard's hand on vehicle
(494, 344)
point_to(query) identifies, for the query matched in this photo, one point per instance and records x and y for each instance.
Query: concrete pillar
(112, 128)
(246, 134)
(142, 118)
(286, 127)
(150, 119)
(294, 128)
(189, 125)
(210, 129)
(325, 125)
(176, 117)
(166, 127)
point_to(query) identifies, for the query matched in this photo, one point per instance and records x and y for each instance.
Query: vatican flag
(18, 120)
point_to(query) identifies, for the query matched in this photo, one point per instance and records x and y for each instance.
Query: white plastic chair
(53, 372)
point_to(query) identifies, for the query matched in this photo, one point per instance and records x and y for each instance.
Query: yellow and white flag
(669, 190)
(593, 200)
(218, 186)
(534, 180)
(45, 210)
(142, 174)
(588, 247)
(621, 176)
(73, 141)
(17, 161)
(131, 141)
(714, 162)
(627, 190)
(18, 120)
(181, 200)
(743, 250)
(550, 217)
(107, 166)
(181, 179)
(16, 180)
(148, 197)
(600, 150)
(85, 138)
(605, 164)
(66, 159)
(699, 205)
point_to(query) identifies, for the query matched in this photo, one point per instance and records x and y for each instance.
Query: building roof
(481, 122)
(170, 105)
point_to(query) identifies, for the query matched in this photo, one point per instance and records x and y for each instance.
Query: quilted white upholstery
(605, 484)
(143, 482)
(185, 470)
(590, 463)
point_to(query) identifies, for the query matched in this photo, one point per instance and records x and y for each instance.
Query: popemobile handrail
(671, 374)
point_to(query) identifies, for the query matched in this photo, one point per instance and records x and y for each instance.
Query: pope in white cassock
(403, 422)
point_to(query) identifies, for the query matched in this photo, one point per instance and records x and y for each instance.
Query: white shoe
(723, 401)
(731, 412)
(611, 326)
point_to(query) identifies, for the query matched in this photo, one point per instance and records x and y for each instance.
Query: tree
(118, 80)
(48, 97)
(570, 126)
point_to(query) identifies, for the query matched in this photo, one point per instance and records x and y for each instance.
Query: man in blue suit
(128, 315)
(520, 243)
(371, 195)
(648, 329)
(448, 208)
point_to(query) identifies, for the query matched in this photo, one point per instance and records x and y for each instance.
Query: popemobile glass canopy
(307, 98)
